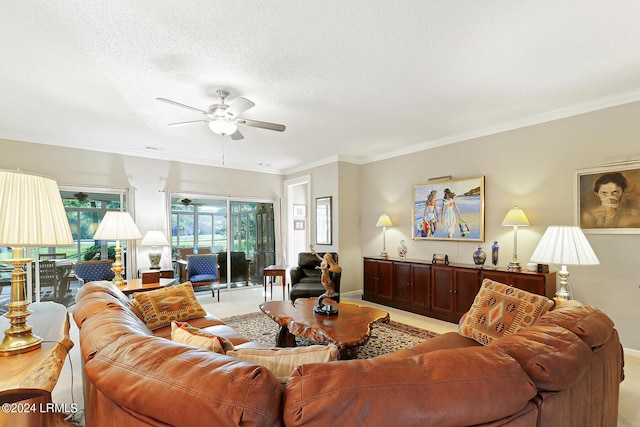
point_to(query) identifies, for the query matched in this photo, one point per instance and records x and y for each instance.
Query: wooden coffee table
(348, 330)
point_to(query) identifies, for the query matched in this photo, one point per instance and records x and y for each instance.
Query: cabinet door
(402, 282)
(497, 276)
(370, 275)
(529, 283)
(442, 289)
(421, 285)
(467, 285)
(384, 284)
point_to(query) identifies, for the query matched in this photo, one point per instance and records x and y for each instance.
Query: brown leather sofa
(564, 370)
(136, 377)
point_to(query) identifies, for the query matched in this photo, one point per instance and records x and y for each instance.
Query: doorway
(298, 217)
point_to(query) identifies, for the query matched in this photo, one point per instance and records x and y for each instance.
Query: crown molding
(563, 113)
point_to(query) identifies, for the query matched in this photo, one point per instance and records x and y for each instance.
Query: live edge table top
(348, 330)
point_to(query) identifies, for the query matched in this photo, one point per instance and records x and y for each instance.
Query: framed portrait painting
(449, 210)
(607, 199)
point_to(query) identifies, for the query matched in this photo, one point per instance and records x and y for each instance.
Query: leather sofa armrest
(296, 273)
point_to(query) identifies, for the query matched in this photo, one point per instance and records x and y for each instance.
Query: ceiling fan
(223, 118)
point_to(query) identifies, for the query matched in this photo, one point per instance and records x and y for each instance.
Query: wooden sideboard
(441, 291)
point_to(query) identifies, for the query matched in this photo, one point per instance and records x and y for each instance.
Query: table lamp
(31, 215)
(384, 221)
(515, 218)
(564, 245)
(117, 225)
(154, 238)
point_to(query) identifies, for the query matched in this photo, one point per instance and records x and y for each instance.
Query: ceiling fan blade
(239, 106)
(263, 125)
(168, 101)
(188, 123)
(236, 135)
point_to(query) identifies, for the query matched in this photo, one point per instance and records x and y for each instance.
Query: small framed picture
(298, 224)
(607, 199)
(299, 210)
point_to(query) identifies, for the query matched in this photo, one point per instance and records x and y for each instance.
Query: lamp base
(154, 259)
(514, 266)
(117, 267)
(18, 338)
(563, 293)
(384, 254)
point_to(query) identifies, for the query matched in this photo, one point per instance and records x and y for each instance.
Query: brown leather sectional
(565, 370)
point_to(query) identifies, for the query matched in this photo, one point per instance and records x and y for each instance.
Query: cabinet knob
(408, 283)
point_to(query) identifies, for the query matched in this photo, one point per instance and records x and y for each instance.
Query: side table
(272, 272)
(138, 285)
(27, 379)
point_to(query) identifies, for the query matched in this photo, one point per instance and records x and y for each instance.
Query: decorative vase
(479, 257)
(402, 250)
(494, 253)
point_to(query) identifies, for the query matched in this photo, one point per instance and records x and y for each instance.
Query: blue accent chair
(202, 270)
(93, 271)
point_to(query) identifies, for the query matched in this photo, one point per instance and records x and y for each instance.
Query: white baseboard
(631, 352)
(352, 294)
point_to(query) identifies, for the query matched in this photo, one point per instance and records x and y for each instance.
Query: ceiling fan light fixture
(222, 127)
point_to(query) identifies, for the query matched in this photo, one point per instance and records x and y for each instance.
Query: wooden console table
(444, 292)
(27, 379)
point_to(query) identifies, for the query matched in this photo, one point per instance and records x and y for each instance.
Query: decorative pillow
(159, 308)
(184, 333)
(499, 310)
(282, 361)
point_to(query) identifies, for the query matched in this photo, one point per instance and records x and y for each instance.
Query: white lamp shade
(564, 245)
(515, 216)
(384, 221)
(31, 211)
(222, 127)
(117, 226)
(154, 238)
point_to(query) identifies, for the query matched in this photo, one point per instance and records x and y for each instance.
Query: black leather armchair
(305, 278)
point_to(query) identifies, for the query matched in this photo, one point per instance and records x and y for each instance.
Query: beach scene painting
(449, 210)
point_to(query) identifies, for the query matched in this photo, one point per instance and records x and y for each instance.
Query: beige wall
(533, 168)
(348, 218)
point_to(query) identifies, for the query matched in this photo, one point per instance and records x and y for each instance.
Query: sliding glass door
(240, 232)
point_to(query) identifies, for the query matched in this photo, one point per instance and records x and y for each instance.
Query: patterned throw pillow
(184, 333)
(282, 361)
(159, 308)
(499, 310)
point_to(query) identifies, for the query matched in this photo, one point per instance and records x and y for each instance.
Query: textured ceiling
(351, 80)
